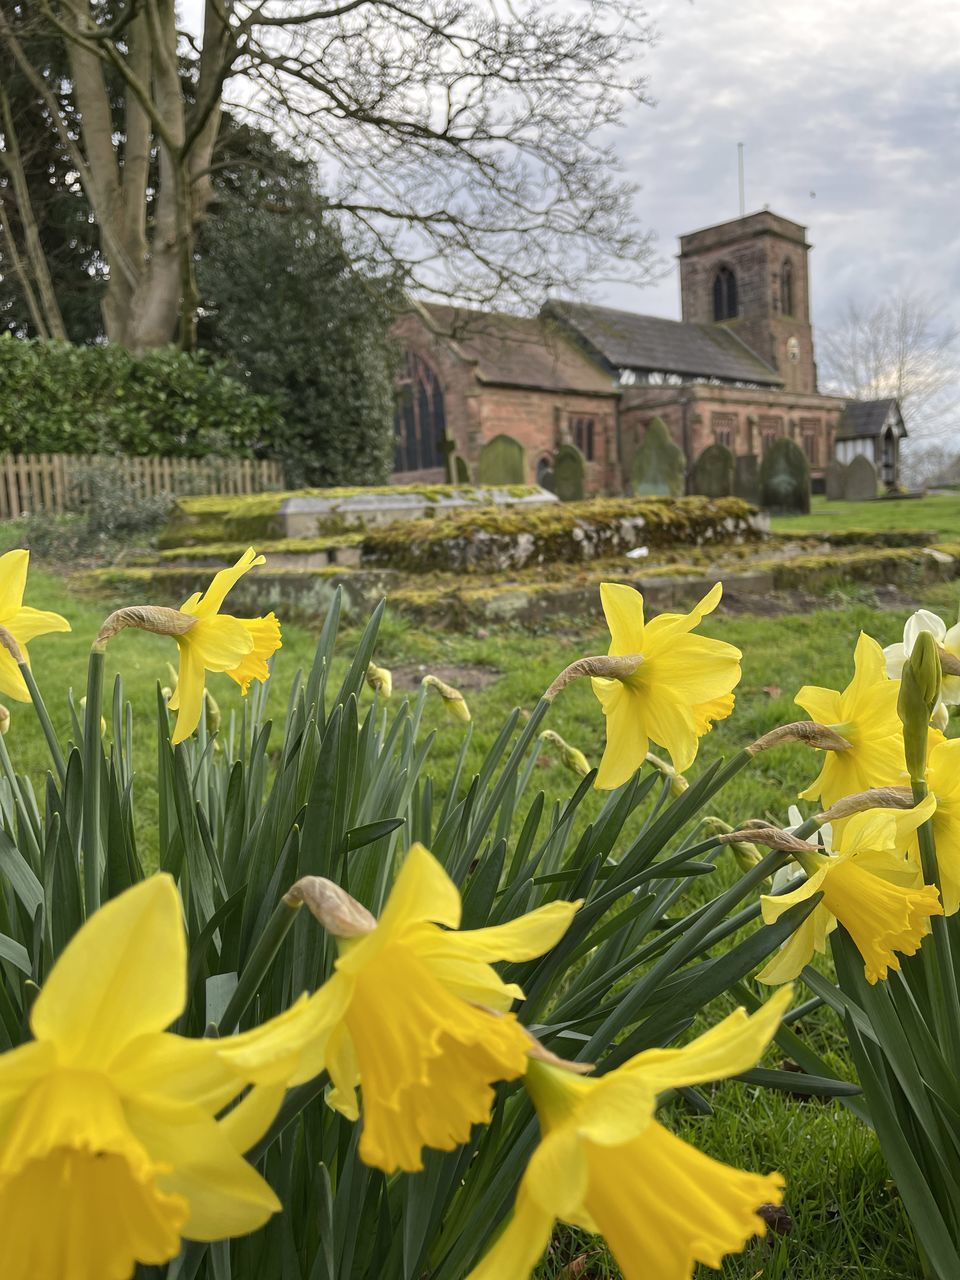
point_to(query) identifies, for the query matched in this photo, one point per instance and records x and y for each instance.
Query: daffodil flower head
(869, 887)
(606, 1165)
(216, 641)
(21, 623)
(948, 638)
(416, 1016)
(865, 714)
(683, 683)
(379, 679)
(109, 1149)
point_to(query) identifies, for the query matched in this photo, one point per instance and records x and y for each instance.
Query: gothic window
(724, 294)
(419, 422)
(724, 427)
(786, 289)
(583, 431)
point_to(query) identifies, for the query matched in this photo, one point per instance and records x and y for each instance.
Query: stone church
(739, 369)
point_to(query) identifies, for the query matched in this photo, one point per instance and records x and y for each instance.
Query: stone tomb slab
(307, 516)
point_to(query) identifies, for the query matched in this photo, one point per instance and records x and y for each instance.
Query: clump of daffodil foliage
(357, 1026)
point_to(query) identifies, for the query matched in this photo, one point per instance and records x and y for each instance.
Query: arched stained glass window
(724, 294)
(419, 421)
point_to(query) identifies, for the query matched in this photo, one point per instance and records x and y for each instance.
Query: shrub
(57, 398)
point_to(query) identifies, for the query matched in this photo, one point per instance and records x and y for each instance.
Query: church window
(811, 447)
(419, 421)
(786, 289)
(724, 426)
(583, 433)
(724, 294)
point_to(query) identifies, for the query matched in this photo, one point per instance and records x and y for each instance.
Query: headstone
(785, 478)
(658, 466)
(860, 482)
(461, 472)
(548, 480)
(746, 478)
(568, 473)
(835, 479)
(713, 472)
(502, 461)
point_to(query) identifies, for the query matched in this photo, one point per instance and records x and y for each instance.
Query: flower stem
(259, 961)
(45, 723)
(938, 963)
(92, 751)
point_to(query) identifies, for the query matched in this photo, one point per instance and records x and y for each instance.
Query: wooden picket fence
(54, 482)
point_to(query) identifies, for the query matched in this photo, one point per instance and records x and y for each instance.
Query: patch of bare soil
(463, 677)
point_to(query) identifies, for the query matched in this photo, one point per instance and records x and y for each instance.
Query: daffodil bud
(212, 712)
(453, 699)
(571, 758)
(4, 718)
(339, 913)
(83, 707)
(919, 695)
(379, 679)
(745, 852)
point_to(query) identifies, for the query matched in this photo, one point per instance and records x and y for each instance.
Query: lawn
(847, 1221)
(939, 512)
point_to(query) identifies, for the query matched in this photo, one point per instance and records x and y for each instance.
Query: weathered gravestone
(860, 482)
(785, 478)
(461, 472)
(502, 461)
(658, 466)
(746, 478)
(835, 479)
(568, 473)
(713, 472)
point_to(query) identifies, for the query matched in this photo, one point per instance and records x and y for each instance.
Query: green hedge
(58, 398)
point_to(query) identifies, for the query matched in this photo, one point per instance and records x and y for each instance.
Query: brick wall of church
(745, 421)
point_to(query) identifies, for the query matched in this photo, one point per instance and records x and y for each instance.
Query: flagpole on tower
(743, 207)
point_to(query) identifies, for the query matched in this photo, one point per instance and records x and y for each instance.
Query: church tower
(750, 274)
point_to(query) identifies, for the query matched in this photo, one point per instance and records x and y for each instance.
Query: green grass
(939, 511)
(847, 1221)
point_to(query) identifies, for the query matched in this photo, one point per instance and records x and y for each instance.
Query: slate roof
(520, 351)
(866, 418)
(629, 341)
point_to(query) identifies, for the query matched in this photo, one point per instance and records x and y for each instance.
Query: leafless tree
(467, 139)
(903, 346)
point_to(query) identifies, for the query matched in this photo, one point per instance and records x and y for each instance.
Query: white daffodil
(947, 638)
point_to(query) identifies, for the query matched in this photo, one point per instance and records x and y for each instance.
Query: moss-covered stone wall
(506, 538)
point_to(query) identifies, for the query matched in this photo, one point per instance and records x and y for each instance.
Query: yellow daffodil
(109, 1150)
(943, 779)
(869, 887)
(22, 622)
(605, 1164)
(865, 713)
(239, 647)
(415, 1014)
(682, 685)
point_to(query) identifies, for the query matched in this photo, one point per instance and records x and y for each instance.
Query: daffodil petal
(187, 698)
(627, 740)
(13, 582)
(520, 1245)
(422, 891)
(623, 610)
(123, 975)
(249, 1120)
(26, 624)
(225, 1195)
(556, 1176)
(524, 938)
(212, 599)
(176, 1069)
(796, 952)
(734, 1045)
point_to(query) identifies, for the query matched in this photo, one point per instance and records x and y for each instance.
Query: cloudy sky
(848, 111)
